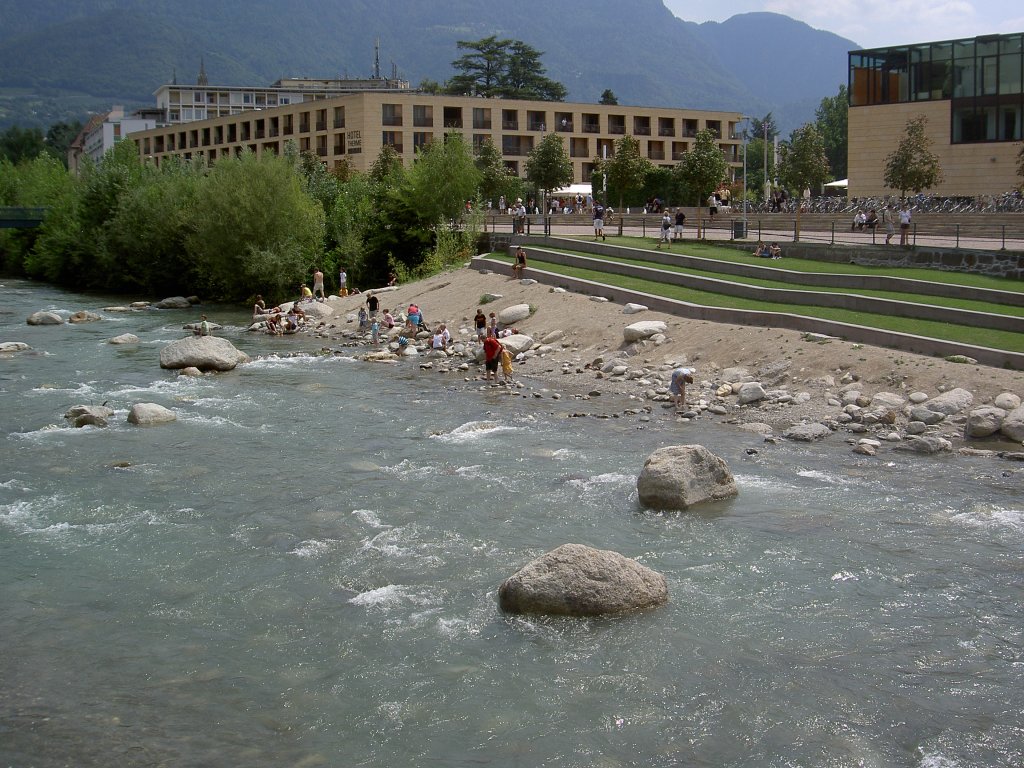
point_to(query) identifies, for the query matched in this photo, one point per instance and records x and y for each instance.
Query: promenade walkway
(975, 231)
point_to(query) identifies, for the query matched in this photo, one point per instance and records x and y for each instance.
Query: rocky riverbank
(777, 383)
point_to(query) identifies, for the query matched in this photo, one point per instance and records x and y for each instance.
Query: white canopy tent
(844, 183)
(573, 189)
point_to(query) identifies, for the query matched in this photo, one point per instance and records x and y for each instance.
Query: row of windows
(483, 119)
(351, 143)
(935, 71)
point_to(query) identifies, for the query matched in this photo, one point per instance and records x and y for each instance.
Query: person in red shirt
(492, 357)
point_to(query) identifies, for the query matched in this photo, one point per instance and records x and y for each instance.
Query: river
(302, 571)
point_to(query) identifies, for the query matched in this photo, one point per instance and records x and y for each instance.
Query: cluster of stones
(140, 414)
(578, 580)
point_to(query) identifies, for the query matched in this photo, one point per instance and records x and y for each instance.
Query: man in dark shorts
(480, 321)
(372, 304)
(492, 357)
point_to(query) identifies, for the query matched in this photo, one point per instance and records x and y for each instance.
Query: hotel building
(971, 91)
(352, 128)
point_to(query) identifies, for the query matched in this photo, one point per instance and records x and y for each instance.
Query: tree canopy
(548, 166)
(608, 98)
(913, 165)
(627, 170)
(831, 119)
(703, 168)
(508, 69)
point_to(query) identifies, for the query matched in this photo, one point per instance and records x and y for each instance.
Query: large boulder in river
(149, 414)
(207, 353)
(680, 476)
(643, 330)
(576, 580)
(173, 302)
(124, 338)
(927, 445)
(88, 415)
(514, 314)
(953, 401)
(807, 432)
(1013, 424)
(13, 346)
(45, 318)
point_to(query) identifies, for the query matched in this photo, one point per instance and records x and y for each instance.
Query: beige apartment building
(971, 91)
(353, 128)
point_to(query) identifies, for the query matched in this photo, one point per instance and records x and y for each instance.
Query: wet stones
(678, 477)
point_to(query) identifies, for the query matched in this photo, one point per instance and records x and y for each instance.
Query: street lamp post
(746, 118)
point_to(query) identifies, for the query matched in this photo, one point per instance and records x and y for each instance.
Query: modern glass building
(971, 91)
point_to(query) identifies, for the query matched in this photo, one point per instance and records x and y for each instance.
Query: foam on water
(383, 597)
(369, 517)
(996, 519)
(314, 548)
(473, 431)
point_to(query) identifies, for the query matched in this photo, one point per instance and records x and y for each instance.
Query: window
(423, 116)
(392, 139)
(339, 117)
(481, 119)
(391, 114)
(666, 126)
(617, 124)
(641, 126)
(536, 120)
(420, 139)
(591, 123)
(509, 120)
(453, 117)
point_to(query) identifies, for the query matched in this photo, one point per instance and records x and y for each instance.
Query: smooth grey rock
(733, 375)
(207, 353)
(751, 392)
(96, 411)
(517, 343)
(124, 338)
(865, 449)
(680, 476)
(45, 318)
(514, 314)
(599, 299)
(552, 336)
(927, 445)
(807, 432)
(576, 580)
(84, 317)
(757, 427)
(916, 428)
(1013, 424)
(921, 413)
(149, 414)
(917, 397)
(1007, 401)
(13, 346)
(889, 400)
(984, 421)
(190, 371)
(88, 420)
(643, 330)
(948, 403)
(173, 302)
(633, 309)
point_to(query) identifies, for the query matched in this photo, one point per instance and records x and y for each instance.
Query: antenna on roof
(201, 80)
(376, 59)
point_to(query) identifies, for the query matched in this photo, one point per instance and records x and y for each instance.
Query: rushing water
(302, 571)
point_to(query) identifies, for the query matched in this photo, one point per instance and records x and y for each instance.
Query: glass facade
(982, 78)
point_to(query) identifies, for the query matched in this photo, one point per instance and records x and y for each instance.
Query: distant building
(188, 103)
(102, 132)
(353, 128)
(971, 91)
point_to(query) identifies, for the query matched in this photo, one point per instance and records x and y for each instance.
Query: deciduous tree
(626, 170)
(548, 166)
(831, 119)
(913, 165)
(802, 163)
(703, 168)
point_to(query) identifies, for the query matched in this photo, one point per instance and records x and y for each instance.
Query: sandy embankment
(595, 330)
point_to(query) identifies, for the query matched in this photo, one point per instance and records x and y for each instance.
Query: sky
(875, 23)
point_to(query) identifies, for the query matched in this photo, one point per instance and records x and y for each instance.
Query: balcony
(642, 130)
(537, 126)
(591, 127)
(510, 125)
(303, 127)
(260, 133)
(677, 156)
(339, 122)
(564, 127)
(321, 151)
(617, 130)
(481, 125)
(321, 125)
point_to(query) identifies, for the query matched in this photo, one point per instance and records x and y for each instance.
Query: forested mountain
(59, 58)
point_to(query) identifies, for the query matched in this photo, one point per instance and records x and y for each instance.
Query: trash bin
(739, 230)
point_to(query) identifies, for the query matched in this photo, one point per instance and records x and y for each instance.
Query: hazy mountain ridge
(59, 55)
